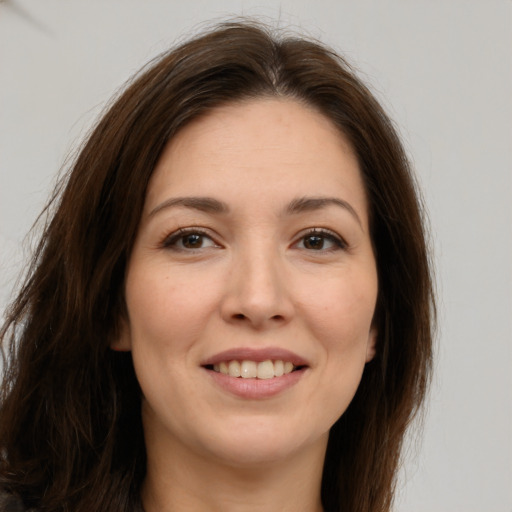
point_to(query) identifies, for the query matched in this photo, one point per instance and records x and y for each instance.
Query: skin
(255, 276)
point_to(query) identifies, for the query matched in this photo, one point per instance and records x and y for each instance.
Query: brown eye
(314, 242)
(188, 240)
(192, 241)
(321, 240)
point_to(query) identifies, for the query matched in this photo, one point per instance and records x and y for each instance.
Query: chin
(263, 444)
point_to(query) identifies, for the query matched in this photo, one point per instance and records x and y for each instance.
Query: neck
(185, 481)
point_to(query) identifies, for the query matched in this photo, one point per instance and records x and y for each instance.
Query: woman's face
(253, 257)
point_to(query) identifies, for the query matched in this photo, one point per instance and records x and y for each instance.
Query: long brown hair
(70, 428)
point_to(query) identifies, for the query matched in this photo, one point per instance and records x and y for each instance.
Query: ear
(122, 342)
(371, 346)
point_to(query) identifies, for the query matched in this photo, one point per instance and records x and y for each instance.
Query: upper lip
(257, 355)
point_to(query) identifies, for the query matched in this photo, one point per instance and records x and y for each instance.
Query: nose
(258, 290)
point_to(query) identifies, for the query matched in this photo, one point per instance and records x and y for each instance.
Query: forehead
(271, 150)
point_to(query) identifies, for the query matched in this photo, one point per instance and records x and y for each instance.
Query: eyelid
(329, 234)
(170, 239)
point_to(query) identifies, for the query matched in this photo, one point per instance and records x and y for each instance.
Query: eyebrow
(204, 204)
(296, 206)
(307, 204)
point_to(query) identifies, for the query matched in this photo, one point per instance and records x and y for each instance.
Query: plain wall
(443, 69)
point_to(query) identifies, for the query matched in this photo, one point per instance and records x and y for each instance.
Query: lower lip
(256, 389)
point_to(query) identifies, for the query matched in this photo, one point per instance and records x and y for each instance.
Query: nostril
(241, 316)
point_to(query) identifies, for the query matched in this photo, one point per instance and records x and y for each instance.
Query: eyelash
(326, 234)
(171, 241)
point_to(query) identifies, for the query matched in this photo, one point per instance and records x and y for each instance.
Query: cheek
(340, 318)
(341, 310)
(165, 306)
(167, 314)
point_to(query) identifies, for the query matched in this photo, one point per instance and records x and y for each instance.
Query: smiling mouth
(247, 369)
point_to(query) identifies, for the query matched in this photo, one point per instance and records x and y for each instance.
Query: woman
(231, 306)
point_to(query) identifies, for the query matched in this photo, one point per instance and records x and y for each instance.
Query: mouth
(250, 369)
(256, 372)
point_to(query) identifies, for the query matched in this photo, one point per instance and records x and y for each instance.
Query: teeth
(234, 369)
(252, 369)
(278, 368)
(288, 367)
(266, 370)
(248, 370)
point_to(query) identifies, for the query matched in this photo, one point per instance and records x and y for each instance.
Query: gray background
(443, 69)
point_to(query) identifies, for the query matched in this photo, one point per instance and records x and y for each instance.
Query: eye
(321, 240)
(188, 239)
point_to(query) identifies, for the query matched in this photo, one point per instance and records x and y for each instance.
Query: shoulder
(10, 503)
